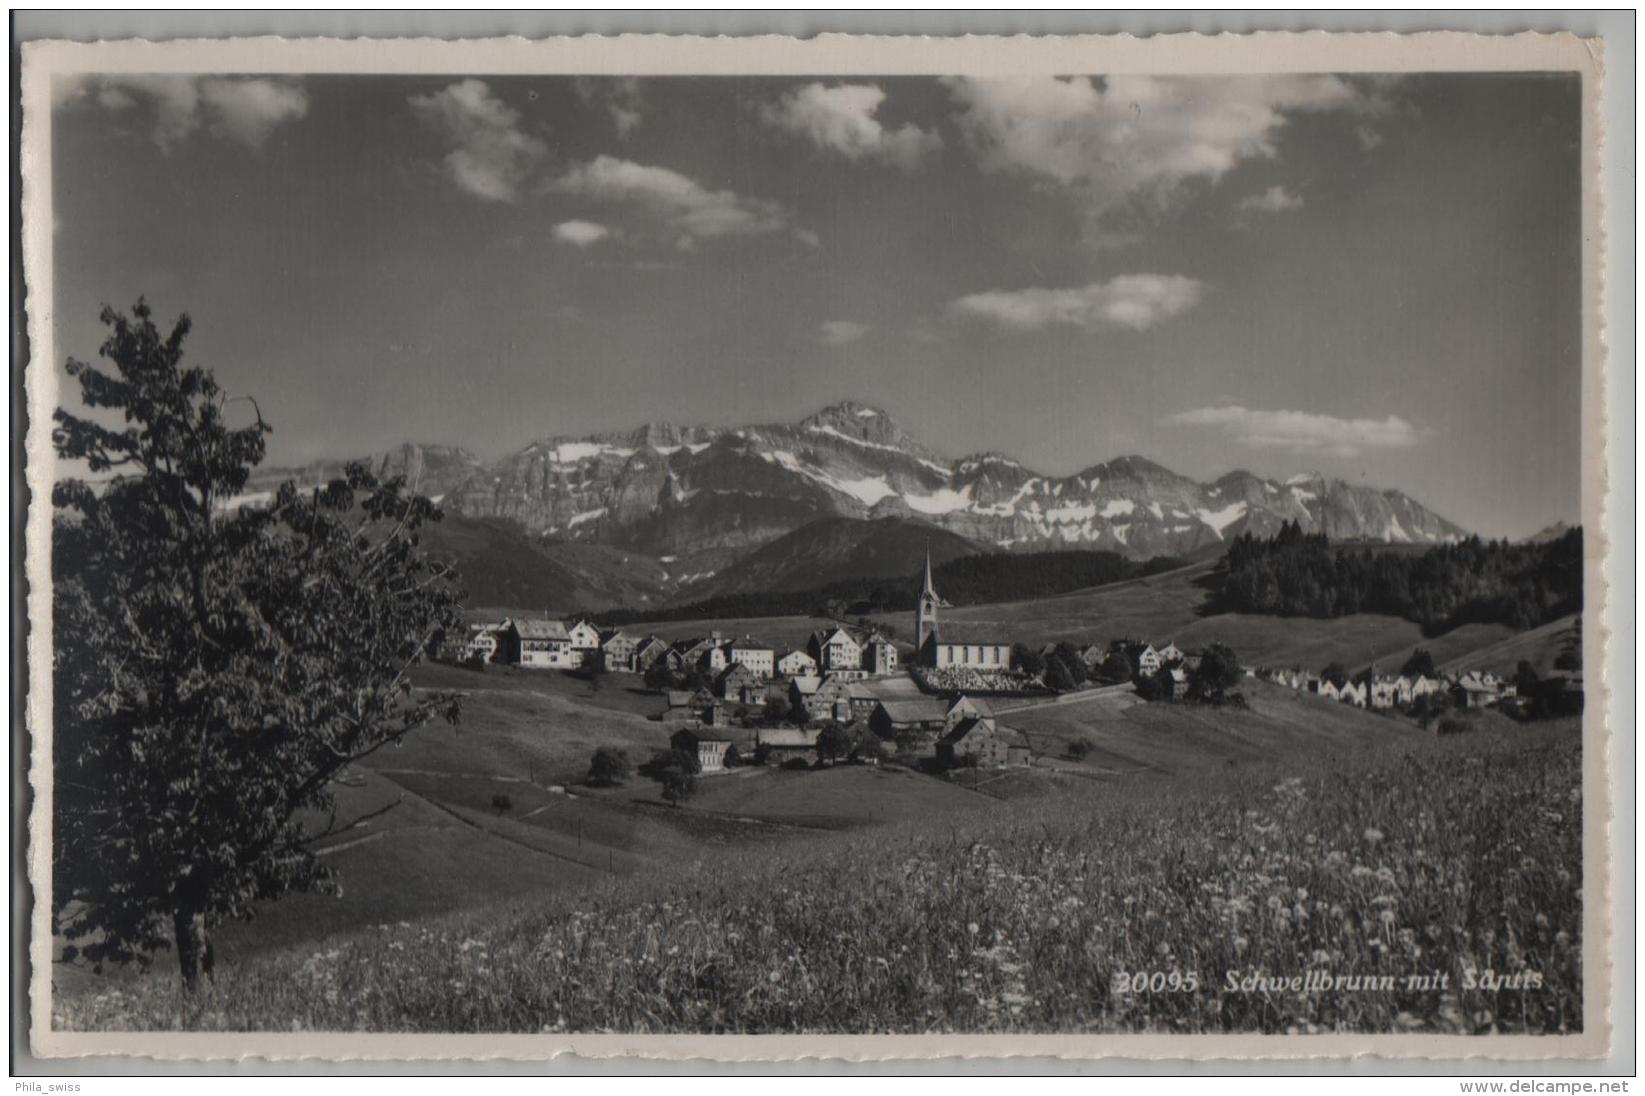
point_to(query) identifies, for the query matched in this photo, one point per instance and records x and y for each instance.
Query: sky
(1371, 278)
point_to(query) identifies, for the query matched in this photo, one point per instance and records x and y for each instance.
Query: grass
(1450, 855)
(1539, 646)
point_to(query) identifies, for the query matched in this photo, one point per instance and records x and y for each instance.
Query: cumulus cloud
(840, 332)
(490, 155)
(1302, 431)
(1276, 199)
(245, 110)
(841, 120)
(1132, 301)
(1125, 141)
(620, 95)
(681, 205)
(580, 233)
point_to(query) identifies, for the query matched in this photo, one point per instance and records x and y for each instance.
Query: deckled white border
(840, 55)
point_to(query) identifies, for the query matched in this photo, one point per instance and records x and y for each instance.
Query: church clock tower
(925, 616)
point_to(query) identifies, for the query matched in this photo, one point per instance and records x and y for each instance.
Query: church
(941, 651)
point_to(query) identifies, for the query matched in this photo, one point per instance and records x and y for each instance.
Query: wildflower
(1302, 894)
(1241, 943)
(973, 928)
(1321, 956)
(774, 977)
(1373, 836)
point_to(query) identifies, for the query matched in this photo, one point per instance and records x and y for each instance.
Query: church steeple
(925, 615)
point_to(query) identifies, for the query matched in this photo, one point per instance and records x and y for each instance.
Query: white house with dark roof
(538, 644)
(758, 657)
(836, 649)
(797, 663)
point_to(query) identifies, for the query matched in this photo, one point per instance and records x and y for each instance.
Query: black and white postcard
(857, 547)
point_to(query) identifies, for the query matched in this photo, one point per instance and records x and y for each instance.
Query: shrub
(1079, 749)
(608, 767)
(502, 803)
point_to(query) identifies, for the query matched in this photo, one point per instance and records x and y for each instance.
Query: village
(854, 694)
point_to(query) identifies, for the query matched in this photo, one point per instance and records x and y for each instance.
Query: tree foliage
(1472, 581)
(215, 667)
(607, 767)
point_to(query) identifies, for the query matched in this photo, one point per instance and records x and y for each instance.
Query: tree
(1336, 674)
(1027, 660)
(658, 676)
(1069, 656)
(1217, 672)
(607, 767)
(216, 667)
(775, 710)
(596, 672)
(679, 786)
(833, 743)
(1568, 660)
(1057, 675)
(1117, 667)
(1420, 663)
(502, 803)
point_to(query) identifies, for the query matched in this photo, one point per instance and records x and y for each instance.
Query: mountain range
(667, 510)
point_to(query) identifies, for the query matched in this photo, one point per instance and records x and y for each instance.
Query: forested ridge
(970, 580)
(1472, 581)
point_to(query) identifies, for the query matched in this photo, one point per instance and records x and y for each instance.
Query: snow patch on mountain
(1219, 520)
(1115, 508)
(944, 501)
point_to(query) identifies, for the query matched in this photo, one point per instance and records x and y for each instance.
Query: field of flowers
(1216, 905)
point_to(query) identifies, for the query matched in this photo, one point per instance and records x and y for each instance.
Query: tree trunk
(194, 956)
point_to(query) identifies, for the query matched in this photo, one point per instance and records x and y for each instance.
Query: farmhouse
(797, 664)
(648, 651)
(912, 724)
(940, 652)
(585, 640)
(617, 652)
(1354, 693)
(748, 651)
(835, 650)
(1170, 653)
(1143, 657)
(827, 698)
(741, 685)
(1471, 691)
(479, 642)
(537, 644)
(779, 744)
(980, 741)
(879, 655)
(710, 749)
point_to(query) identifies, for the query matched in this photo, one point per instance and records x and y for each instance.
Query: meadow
(1448, 857)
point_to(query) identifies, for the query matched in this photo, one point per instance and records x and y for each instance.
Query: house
(1093, 655)
(1382, 693)
(1402, 689)
(1471, 691)
(1175, 680)
(834, 650)
(617, 652)
(699, 654)
(1144, 659)
(775, 745)
(710, 749)
(740, 685)
(825, 698)
(912, 724)
(980, 741)
(1325, 687)
(863, 700)
(537, 644)
(750, 652)
(1170, 653)
(879, 655)
(797, 663)
(480, 642)
(964, 707)
(647, 651)
(1353, 693)
(585, 640)
(1422, 685)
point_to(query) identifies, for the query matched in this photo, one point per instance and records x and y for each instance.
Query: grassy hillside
(1539, 646)
(1023, 921)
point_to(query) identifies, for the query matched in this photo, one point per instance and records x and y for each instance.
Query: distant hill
(1549, 533)
(832, 550)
